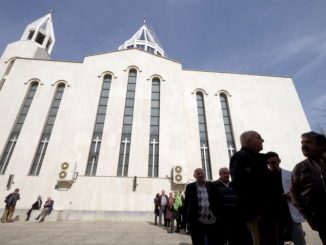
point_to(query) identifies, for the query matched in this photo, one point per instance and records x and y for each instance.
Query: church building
(102, 136)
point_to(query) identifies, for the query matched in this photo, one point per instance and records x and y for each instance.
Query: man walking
(201, 207)
(10, 201)
(252, 182)
(309, 182)
(289, 217)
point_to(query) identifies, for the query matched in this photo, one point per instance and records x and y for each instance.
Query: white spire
(144, 39)
(41, 32)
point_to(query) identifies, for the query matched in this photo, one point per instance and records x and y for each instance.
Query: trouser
(264, 231)
(235, 231)
(162, 213)
(29, 212)
(297, 234)
(202, 234)
(322, 232)
(7, 214)
(44, 212)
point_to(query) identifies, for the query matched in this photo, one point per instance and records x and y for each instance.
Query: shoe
(177, 231)
(36, 218)
(169, 231)
(42, 220)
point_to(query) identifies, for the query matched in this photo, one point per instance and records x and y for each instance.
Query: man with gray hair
(252, 182)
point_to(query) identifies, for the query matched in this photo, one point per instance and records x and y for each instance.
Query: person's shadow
(182, 243)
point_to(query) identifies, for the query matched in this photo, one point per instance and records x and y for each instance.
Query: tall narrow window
(46, 134)
(154, 130)
(94, 151)
(227, 125)
(11, 142)
(127, 125)
(204, 146)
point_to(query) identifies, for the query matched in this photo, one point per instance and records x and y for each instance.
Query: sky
(274, 37)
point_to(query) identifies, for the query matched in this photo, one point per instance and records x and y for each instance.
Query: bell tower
(36, 42)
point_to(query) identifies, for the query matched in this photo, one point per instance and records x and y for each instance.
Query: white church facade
(103, 136)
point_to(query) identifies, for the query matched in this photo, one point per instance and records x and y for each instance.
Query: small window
(48, 44)
(30, 35)
(40, 38)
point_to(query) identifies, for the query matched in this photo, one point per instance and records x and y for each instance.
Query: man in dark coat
(235, 231)
(36, 206)
(10, 201)
(252, 182)
(201, 209)
(309, 182)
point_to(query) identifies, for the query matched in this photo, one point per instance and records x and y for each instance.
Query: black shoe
(42, 220)
(177, 231)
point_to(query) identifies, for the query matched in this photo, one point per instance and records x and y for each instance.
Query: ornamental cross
(231, 150)
(97, 140)
(126, 141)
(43, 143)
(11, 148)
(205, 148)
(153, 142)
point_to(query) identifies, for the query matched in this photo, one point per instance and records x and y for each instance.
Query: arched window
(11, 142)
(47, 131)
(153, 156)
(94, 150)
(203, 137)
(227, 124)
(127, 125)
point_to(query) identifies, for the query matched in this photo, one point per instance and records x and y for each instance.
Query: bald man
(252, 182)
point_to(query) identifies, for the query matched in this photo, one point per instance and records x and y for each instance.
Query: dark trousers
(29, 212)
(322, 231)
(264, 231)
(235, 231)
(204, 234)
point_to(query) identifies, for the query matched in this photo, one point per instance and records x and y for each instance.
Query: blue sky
(275, 37)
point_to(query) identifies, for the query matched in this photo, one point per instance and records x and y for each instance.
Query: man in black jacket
(252, 182)
(201, 209)
(36, 206)
(10, 201)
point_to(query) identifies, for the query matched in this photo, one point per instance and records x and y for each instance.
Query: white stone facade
(269, 105)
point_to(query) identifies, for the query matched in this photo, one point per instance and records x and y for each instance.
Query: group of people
(264, 204)
(170, 208)
(10, 206)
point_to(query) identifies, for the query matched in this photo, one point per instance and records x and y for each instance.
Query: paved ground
(89, 233)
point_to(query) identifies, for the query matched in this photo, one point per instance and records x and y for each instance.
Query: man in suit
(201, 209)
(36, 206)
